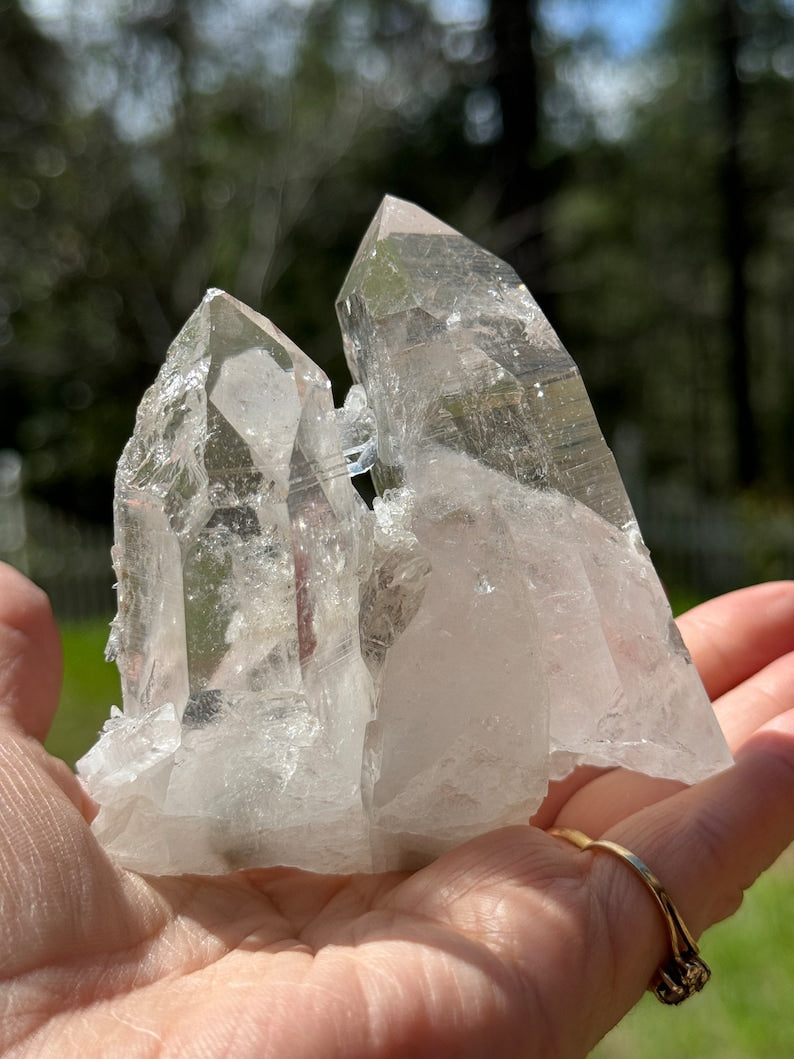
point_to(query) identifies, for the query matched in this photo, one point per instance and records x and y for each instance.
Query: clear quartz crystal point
(544, 638)
(312, 683)
(245, 694)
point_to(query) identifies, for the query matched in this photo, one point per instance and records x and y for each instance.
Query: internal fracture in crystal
(310, 682)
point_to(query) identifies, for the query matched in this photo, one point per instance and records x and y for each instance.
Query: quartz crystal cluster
(310, 682)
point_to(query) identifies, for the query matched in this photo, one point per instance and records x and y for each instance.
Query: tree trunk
(736, 242)
(520, 204)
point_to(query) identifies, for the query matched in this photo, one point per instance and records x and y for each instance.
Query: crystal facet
(313, 683)
(237, 634)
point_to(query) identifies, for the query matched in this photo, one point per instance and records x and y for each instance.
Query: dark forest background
(644, 190)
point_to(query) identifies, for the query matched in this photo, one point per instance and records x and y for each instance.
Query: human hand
(515, 944)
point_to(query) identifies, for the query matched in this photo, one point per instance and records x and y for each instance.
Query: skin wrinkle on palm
(480, 953)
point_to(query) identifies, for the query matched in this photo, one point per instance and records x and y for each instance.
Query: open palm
(515, 944)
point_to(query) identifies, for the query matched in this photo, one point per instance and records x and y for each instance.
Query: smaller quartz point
(245, 693)
(313, 683)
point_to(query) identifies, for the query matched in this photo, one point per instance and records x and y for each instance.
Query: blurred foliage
(153, 149)
(644, 256)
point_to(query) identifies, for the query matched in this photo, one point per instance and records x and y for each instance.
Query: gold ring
(685, 973)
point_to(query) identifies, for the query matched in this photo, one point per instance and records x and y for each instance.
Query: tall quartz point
(543, 639)
(312, 683)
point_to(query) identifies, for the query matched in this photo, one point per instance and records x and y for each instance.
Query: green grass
(682, 599)
(744, 1012)
(90, 687)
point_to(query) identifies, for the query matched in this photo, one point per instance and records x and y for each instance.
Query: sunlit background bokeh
(633, 161)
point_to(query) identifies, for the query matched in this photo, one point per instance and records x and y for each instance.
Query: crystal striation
(310, 682)
(237, 556)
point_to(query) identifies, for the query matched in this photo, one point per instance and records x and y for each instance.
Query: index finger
(30, 655)
(734, 636)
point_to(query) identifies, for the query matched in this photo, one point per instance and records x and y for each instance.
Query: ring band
(685, 973)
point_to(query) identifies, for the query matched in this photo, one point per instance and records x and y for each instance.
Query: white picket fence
(708, 546)
(701, 546)
(69, 558)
